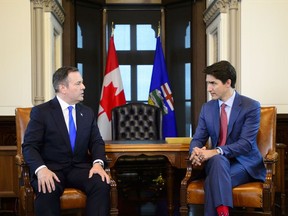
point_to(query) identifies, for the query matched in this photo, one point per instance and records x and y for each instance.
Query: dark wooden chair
(140, 122)
(136, 121)
(72, 200)
(255, 198)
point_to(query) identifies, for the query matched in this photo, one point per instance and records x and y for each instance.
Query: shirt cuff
(220, 149)
(99, 161)
(39, 169)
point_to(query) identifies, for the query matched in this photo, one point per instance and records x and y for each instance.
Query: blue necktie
(72, 128)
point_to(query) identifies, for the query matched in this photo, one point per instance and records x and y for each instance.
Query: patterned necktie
(223, 126)
(72, 128)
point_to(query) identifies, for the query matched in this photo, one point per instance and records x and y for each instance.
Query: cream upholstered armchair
(254, 197)
(72, 200)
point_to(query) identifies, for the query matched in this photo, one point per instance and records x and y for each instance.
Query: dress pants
(222, 175)
(97, 192)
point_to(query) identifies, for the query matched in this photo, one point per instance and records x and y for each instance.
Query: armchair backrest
(22, 117)
(266, 137)
(136, 121)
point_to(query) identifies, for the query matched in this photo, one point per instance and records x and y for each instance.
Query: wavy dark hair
(223, 71)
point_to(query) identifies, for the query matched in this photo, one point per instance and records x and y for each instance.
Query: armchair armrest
(271, 157)
(113, 191)
(270, 161)
(23, 175)
(26, 191)
(184, 185)
(19, 160)
(188, 174)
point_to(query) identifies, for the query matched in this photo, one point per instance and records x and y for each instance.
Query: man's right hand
(197, 156)
(46, 180)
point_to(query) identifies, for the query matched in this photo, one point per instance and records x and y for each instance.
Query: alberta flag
(160, 93)
(112, 94)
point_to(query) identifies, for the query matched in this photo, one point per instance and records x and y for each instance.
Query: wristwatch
(219, 151)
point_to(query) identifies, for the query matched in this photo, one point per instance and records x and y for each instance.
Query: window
(144, 40)
(135, 42)
(135, 32)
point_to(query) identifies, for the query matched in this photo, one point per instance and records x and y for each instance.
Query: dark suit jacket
(46, 141)
(243, 127)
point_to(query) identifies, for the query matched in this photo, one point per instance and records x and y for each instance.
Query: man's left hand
(98, 169)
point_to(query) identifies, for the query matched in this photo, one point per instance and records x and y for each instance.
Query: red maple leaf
(110, 100)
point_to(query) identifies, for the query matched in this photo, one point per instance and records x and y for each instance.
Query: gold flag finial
(159, 29)
(112, 29)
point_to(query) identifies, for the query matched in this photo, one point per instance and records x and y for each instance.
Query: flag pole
(159, 26)
(112, 29)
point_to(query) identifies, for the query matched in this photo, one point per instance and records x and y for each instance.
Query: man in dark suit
(233, 158)
(55, 164)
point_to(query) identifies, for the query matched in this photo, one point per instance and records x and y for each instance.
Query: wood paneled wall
(8, 169)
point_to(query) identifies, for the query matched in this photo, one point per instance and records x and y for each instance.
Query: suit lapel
(236, 107)
(79, 122)
(60, 121)
(216, 118)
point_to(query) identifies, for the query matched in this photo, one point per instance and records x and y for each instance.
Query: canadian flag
(112, 93)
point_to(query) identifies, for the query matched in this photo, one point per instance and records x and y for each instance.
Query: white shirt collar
(63, 104)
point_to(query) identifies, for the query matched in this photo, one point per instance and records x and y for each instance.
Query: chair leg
(283, 204)
(184, 210)
(195, 210)
(114, 198)
(170, 184)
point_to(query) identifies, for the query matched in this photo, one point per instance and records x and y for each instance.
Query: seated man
(232, 122)
(63, 148)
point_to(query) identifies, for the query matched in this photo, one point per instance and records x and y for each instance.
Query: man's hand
(98, 169)
(199, 155)
(46, 180)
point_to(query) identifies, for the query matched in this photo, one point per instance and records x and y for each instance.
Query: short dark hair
(223, 71)
(60, 76)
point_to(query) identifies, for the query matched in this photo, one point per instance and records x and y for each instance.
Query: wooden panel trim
(7, 131)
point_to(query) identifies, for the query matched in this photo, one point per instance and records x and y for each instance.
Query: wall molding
(47, 18)
(222, 19)
(54, 7)
(214, 9)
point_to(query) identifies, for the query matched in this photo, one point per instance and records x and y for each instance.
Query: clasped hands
(199, 155)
